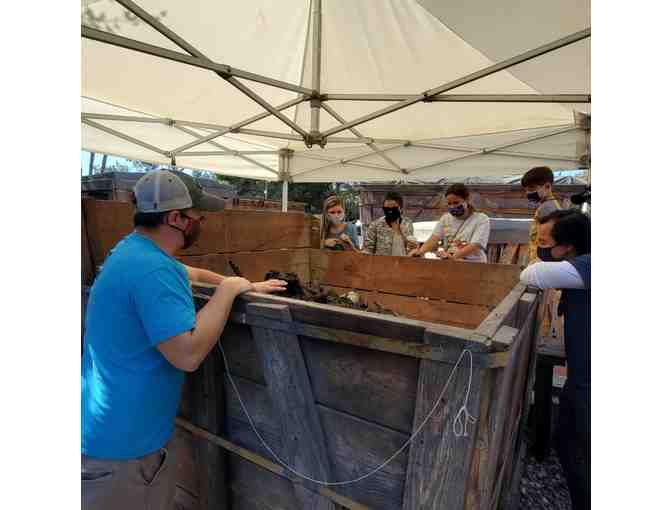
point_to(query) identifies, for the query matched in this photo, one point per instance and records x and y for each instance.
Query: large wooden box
(336, 392)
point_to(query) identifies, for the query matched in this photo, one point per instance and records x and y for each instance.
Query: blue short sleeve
(164, 302)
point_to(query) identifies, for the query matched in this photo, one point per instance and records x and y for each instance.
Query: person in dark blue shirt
(142, 334)
(564, 251)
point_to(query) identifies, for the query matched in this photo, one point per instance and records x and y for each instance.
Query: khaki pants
(146, 483)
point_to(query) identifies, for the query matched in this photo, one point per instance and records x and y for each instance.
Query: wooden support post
(439, 462)
(304, 445)
(208, 412)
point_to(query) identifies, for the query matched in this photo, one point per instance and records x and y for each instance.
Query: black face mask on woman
(392, 214)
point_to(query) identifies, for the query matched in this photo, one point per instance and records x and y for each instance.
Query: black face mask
(534, 197)
(457, 211)
(392, 214)
(192, 236)
(545, 254)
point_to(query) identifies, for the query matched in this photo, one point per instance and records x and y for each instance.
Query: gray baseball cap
(167, 190)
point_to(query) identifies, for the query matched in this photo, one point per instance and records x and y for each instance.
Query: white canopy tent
(338, 90)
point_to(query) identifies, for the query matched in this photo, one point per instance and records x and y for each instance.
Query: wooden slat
(107, 223)
(256, 230)
(461, 282)
(503, 314)
(439, 462)
(304, 444)
(369, 384)
(255, 265)
(207, 412)
(187, 476)
(357, 447)
(430, 310)
(227, 231)
(241, 352)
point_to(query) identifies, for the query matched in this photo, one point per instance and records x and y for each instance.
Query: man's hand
(269, 286)
(443, 254)
(330, 243)
(236, 285)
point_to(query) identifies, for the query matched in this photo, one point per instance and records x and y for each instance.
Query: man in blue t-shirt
(564, 251)
(142, 334)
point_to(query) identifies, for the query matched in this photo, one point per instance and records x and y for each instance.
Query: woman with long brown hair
(463, 230)
(335, 232)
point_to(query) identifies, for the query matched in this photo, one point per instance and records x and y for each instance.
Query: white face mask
(336, 219)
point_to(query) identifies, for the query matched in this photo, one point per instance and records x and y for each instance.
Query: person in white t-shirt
(463, 230)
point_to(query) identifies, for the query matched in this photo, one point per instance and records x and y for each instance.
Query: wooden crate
(335, 392)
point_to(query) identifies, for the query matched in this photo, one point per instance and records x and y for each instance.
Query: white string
(463, 422)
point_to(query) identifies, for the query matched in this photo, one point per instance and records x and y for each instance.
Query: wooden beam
(439, 461)
(304, 443)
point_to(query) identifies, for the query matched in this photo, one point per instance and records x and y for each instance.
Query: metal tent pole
(285, 156)
(317, 68)
(426, 96)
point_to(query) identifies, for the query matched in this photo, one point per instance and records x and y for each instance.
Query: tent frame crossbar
(358, 134)
(466, 98)
(227, 150)
(125, 137)
(495, 68)
(227, 76)
(157, 51)
(494, 149)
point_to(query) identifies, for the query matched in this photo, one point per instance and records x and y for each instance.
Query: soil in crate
(316, 294)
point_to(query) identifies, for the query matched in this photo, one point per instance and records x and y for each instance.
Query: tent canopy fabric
(294, 90)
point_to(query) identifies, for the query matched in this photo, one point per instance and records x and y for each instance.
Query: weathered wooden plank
(185, 455)
(227, 231)
(184, 500)
(208, 412)
(241, 352)
(503, 314)
(461, 282)
(430, 310)
(260, 487)
(346, 269)
(357, 447)
(107, 223)
(375, 386)
(476, 496)
(255, 265)
(257, 230)
(479, 284)
(304, 444)
(439, 461)
(346, 319)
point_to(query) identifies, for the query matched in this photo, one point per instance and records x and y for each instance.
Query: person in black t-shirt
(564, 251)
